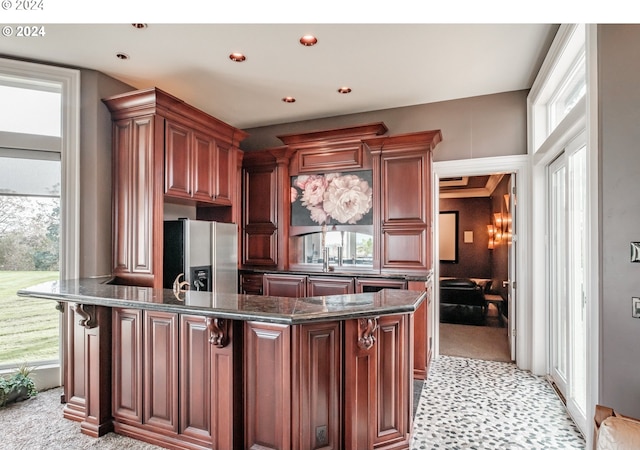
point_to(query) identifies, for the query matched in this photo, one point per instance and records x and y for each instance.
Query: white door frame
(530, 320)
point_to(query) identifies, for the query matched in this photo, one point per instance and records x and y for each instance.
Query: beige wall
(619, 134)
(95, 172)
(476, 127)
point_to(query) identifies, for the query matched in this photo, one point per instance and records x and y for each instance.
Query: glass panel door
(557, 267)
(567, 279)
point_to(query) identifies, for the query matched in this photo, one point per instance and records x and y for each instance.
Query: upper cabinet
(165, 150)
(405, 199)
(362, 195)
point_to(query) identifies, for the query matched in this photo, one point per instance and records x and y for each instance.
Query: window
(565, 188)
(39, 204)
(555, 94)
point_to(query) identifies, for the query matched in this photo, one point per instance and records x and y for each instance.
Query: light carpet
(472, 341)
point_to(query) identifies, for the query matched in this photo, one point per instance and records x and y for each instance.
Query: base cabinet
(330, 385)
(174, 379)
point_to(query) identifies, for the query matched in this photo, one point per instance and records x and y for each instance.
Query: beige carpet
(37, 424)
(477, 342)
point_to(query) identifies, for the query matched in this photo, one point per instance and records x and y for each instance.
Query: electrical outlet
(635, 307)
(322, 439)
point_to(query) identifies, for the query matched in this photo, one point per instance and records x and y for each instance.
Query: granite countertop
(283, 310)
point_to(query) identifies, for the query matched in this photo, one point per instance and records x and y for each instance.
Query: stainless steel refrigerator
(202, 253)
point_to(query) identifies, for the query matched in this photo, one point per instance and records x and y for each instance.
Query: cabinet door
(260, 239)
(177, 164)
(224, 179)
(330, 286)
(285, 285)
(203, 167)
(376, 284)
(404, 190)
(134, 200)
(378, 404)
(267, 396)
(195, 379)
(161, 371)
(251, 284)
(127, 365)
(405, 204)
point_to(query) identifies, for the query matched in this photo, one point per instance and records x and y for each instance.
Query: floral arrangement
(345, 198)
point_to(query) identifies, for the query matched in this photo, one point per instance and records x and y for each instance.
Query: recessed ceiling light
(122, 56)
(308, 40)
(344, 90)
(288, 99)
(237, 57)
(139, 26)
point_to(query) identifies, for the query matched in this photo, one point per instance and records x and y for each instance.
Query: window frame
(69, 147)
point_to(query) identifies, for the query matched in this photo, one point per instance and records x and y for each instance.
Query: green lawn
(29, 329)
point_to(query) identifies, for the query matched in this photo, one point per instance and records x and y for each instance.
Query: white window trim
(584, 116)
(69, 79)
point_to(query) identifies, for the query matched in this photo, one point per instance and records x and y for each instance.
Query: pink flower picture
(339, 198)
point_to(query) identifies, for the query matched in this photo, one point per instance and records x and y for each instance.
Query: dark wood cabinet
(404, 168)
(160, 371)
(251, 283)
(127, 365)
(172, 379)
(377, 412)
(284, 285)
(329, 385)
(259, 211)
(164, 149)
(317, 286)
(267, 386)
(376, 284)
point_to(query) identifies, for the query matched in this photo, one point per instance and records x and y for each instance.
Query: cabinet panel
(260, 186)
(251, 284)
(330, 286)
(347, 157)
(317, 386)
(204, 166)
(403, 189)
(376, 284)
(195, 379)
(177, 160)
(161, 371)
(74, 380)
(260, 248)
(267, 386)
(127, 365)
(360, 392)
(285, 285)
(404, 248)
(224, 180)
(393, 381)
(133, 207)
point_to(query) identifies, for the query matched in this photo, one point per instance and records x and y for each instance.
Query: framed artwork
(448, 229)
(338, 198)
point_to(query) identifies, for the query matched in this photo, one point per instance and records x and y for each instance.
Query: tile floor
(474, 404)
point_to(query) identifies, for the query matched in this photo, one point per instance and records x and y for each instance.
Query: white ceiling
(386, 65)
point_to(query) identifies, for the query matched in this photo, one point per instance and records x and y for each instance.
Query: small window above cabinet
(345, 250)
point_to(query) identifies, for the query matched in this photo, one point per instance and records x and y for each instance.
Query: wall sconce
(498, 220)
(492, 233)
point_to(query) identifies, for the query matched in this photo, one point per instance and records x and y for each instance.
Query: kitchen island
(199, 370)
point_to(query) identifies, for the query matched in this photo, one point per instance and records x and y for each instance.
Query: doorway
(518, 169)
(476, 218)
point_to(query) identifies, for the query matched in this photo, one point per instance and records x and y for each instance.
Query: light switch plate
(635, 307)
